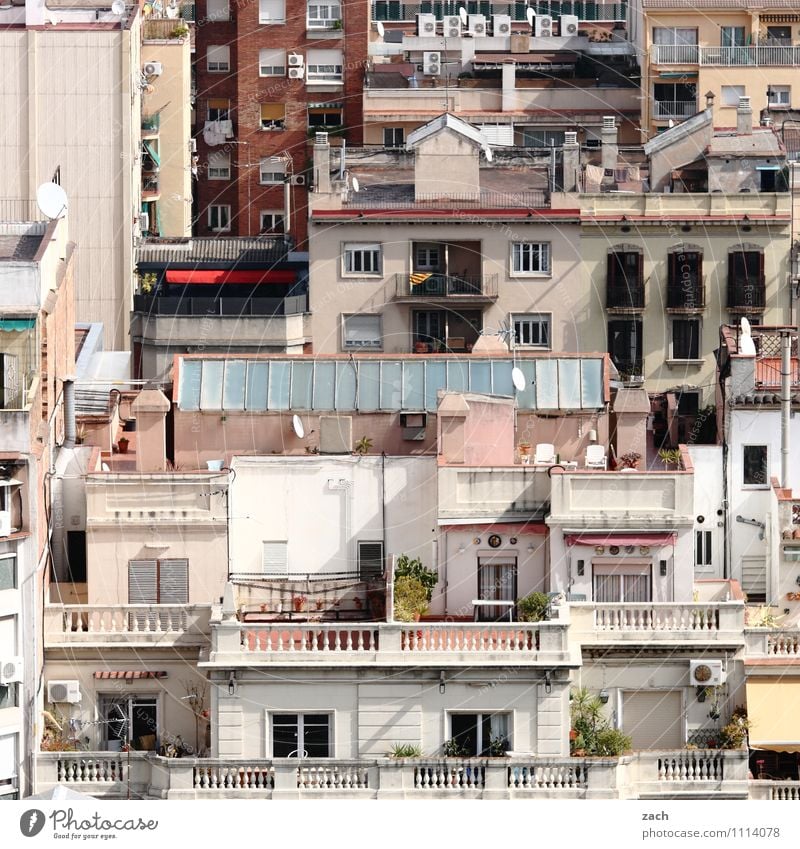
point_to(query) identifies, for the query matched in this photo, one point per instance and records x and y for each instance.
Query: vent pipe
(69, 413)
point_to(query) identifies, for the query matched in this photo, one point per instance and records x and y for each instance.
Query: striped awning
(128, 674)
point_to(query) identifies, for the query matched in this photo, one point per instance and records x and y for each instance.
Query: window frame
(394, 131)
(323, 23)
(11, 556)
(281, 228)
(131, 701)
(220, 67)
(543, 319)
(352, 249)
(481, 717)
(780, 89)
(722, 92)
(703, 547)
(224, 173)
(261, 172)
(673, 357)
(222, 13)
(622, 569)
(518, 249)
(159, 562)
(363, 315)
(300, 725)
(334, 71)
(766, 483)
(224, 111)
(278, 124)
(274, 70)
(217, 209)
(265, 21)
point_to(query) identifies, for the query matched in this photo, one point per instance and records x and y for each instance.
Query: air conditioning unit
(426, 25)
(568, 25)
(477, 26)
(432, 64)
(153, 69)
(543, 26)
(11, 670)
(63, 691)
(144, 222)
(706, 673)
(501, 25)
(413, 425)
(298, 179)
(5, 523)
(452, 26)
(296, 60)
(297, 73)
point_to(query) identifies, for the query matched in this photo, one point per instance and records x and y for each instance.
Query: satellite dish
(518, 379)
(356, 185)
(462, 13)
(381, 28)
(51, 200)
(297, 427)
(118, 7)
(488, 151)
(530, 15)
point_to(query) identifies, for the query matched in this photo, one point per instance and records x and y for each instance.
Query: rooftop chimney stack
(744, 117)
(150, 411)
(571, 162)
(322, 164)
(608, 136)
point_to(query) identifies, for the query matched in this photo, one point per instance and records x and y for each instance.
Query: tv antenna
(52, 200)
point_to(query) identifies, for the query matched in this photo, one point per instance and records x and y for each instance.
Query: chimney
(322, 164)
(509, 87)
(150, 411)
(744, 117)
(608, 136)
(571, 162)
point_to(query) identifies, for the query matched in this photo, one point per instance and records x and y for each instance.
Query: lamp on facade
(232, 683)
(442, 683)
(548, 684)
(604, 696)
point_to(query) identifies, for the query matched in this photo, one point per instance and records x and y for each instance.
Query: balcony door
(622, 582)
(446, 330)
(497, 581)
(131, 718)
(625, 345)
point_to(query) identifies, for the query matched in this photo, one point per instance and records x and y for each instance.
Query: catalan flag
(419, 277)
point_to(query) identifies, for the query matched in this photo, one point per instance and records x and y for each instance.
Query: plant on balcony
(533, 608)
(498, 746)
(180, 31)
(122, 444)
(734, 734)
(405, 750)
(299, 603)
(591, 732)
(336, 25)
(762, 617)
(410, 599)
(670, 457)
(411, 567)
(363, 446)
(453, 749)
(630, 460)
(148, 282)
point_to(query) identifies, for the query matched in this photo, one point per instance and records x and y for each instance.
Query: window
(219, 109)
(76, 555)
(271, 221)
(323, 15)
(130, 718)
(625, 346)
(272, 63)
(530, 257)
(219, 217)
(9, 696)
(731, 94)
(8, 571)
(685, 279)
(755, 470)
(532, 330)
(219, 166)
(8, 766)
(370, 560)
(325, 116)
(362, 332)
(158, 582)
(362, 259)
(324, 66)
(427, 257)
(702, 548)
(394, 137)
(625, 279)
(674, 35)
(271, 11)
(218, 10)
(618, 582)
(481, 734)
(533, 137)
(746, 287)
(301, 735)
(731, 36)
(685, 339)
(272, 170)
(780, 96)
(779, 36)
(273, 116)
(497, 581)
(8, 634)
(218, 58)
(275, 557)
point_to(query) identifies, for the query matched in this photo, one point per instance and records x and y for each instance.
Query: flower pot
(122, 445)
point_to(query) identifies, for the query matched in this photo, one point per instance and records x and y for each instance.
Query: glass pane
(302, 381)
(189, 390)
(458, 375)
(464, 730)
(391, 383)
(284, 736)
(316, 735)
(435, 379)
(547, 384)
(8, 573)
(257, 380)
(345, 386)
(606, 588)
(279, 378)
(569, 384)
(754, 462)
(233, 389)
(324, 376)
(501, 378)
(592, 383)
(480, 377)
(211, 385)
(144, 723)
(526, 400)
(413, 386)
(369, 385)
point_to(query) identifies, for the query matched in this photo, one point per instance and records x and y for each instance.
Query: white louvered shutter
(173, 582)
(143, 582)
(275, 558)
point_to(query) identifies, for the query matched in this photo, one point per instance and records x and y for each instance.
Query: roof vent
(609, 122)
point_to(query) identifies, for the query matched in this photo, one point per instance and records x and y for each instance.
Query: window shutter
(173, 582)
(275, 558)
(611, 268)
(653, 719)
(142, 586)
(640, 271)
(370, 560)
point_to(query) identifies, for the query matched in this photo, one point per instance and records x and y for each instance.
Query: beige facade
(71, 105)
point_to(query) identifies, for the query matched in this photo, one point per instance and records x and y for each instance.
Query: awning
(335, 105)
(653, 540)
(153, 154)
(17, 323)
(773, 714)
(223, 276)
(129, 674)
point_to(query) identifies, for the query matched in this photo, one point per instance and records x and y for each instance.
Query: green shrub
(592, 733)
(611, 742)
(410, 599)
(407, 567)
(405, 750)
(453, 749)
(533, 608)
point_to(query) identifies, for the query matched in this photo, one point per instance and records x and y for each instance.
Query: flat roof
(14, 248)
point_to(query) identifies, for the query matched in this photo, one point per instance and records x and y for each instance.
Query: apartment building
(268, 75)
(71, 107)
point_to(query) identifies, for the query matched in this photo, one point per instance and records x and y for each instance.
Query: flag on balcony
(419, 277)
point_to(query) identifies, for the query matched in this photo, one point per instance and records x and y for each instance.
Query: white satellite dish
(745, 326)
(488, 151)
(297, 427)
(356, 185)
(530, 15)
(746, 344)
(118, 7)
(51, 200)
(381, 28)
(518, 379)
(462, 13)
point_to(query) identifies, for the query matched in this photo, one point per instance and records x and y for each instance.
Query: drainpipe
(786, 403)
(69, 412)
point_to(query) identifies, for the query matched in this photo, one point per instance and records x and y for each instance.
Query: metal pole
(786, 403)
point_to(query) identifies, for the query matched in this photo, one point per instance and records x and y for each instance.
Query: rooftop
(194, 250)
(762, 142)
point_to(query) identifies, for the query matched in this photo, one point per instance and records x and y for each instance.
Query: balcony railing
(625, 297)
(674, 108)
(771, 643)
(391, 10)
(693, 773)
(686, 295)
(752, 55)
(775, 791)
(19, 209)
(445, 286)
(211, 307)
(747, 296)
(379, 199)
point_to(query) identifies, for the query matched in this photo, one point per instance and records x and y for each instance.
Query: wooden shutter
(370, 560)
(142, 582)
(653, 719)
(275, 558)
(173, 582)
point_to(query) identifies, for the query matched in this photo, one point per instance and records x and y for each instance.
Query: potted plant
(630, 460)
(524, 449)
(410, 599)
(453, 749)
(670, 457)
(363, 446)
(734, 733)
(336, 25)
(299, 603)
(534, 607)
(592, 733)
(411, 567)
(405, 750)
(122, 444)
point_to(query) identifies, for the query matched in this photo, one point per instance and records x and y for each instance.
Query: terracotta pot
(123, 446)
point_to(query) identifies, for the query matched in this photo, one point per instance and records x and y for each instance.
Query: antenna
(356, 185)
(51, 200)
(518, 379)
(118, 7)
(381, 28)
(462, 13)
(297, 427)
(530, 15)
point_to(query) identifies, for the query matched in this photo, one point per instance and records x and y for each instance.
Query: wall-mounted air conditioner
(477, 26)
(706, 673)
(11, 670)
(432, 64)
(153, 69)
(543, 26)
(501, 25)
(298, 179)
(426, 25)
(63, 691)
(5, 523)
(568, 25)
(144, 222)
(296, 73)
(296, 60)
(452, 26)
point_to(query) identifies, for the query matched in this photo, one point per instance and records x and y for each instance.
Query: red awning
(654, 540)
(223, 276)
(128, 674)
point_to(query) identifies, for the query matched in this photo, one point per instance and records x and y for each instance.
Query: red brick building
(268, 74)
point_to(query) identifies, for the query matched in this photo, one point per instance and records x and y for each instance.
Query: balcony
(126, 624)
(763, 56)
(402, 198)
(448, 287)
(775, 791)
(150, 186)
(686, 296)
(747, 296)
(493, 493)
(773, 644)
(389, 10)
(692, 774)
(623, 299)
(664, 109)
(205, 307)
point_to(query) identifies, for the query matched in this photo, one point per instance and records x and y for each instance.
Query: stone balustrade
(692, 773)
(775, 791)
(773, 643)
